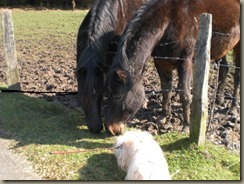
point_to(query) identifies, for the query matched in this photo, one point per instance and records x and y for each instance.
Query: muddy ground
(51, 70)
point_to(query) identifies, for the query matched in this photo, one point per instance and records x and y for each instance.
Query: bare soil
(52, 70)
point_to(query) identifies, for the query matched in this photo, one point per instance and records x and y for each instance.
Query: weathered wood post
(12, 72)
(73, 4)
(199, 108)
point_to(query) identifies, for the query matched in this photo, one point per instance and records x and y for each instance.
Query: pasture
(46, 43)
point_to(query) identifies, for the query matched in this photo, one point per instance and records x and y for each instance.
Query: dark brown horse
(103, 25)
(165, 22)
(223, 76)
(237, 52)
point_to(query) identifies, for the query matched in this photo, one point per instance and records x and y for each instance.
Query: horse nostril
(96, 129)
(115, 129)
(110, 130)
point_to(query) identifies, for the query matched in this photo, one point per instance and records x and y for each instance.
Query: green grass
(39, 24)
(45, 30)
(50, 31)
(195, 163)
(40, 127)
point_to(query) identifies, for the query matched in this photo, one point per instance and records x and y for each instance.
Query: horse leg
(165, 72)
(234, 104)
(185, 74)
(223, 73)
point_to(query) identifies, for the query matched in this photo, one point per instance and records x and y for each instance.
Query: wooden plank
(12, 72)
(199, 108)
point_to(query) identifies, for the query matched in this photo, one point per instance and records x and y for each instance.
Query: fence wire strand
(61, 93)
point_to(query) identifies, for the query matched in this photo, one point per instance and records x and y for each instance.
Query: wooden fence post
(12, 72)
(199, 107)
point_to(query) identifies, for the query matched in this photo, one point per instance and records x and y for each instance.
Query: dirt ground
(224, 128)
(50, 71)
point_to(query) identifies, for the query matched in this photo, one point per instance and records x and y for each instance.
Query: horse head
(90, 79)
(124, 98)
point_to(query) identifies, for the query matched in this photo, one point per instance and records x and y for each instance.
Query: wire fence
(64, 93)
(218, 64)
(5, 90)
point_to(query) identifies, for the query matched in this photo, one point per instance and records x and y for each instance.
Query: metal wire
(61, 93)
(156, 57)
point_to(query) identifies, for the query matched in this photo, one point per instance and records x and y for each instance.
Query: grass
(39, 24)
(40, 127)
(45, 30)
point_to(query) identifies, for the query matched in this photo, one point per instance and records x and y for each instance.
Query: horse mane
(100, 32)
(103, 18)
(131, 30)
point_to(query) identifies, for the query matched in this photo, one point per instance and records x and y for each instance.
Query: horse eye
(117, 97)
(82, 71)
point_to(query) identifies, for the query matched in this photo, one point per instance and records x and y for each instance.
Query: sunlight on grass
(40, 127)
(193, 163)
(38, 24)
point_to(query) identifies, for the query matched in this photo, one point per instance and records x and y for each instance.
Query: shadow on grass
(102, 165)
(181, 144)
(35, 121)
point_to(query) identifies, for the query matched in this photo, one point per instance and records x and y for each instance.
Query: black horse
(101, 27)
(165, 22)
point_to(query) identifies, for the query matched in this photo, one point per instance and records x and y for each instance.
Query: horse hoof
(161, 120)
(185, 129)
(144, 105)
(220, 100)
(233, 111)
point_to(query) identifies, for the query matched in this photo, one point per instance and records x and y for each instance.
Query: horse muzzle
(115, 128)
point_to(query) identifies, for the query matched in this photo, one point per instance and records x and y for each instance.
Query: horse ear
(122, 75)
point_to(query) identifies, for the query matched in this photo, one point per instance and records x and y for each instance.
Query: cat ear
(122, 75)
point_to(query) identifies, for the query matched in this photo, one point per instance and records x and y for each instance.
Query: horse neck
(127, 9)
(141, 35)
(103, 19)
(101, 26)
(111, 16)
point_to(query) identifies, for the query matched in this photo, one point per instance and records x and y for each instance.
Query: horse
(237, 52)
(223, 71)
(164, 22)
(98, 32)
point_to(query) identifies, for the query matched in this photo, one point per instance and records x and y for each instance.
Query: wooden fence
(12, 72)
(199, 107)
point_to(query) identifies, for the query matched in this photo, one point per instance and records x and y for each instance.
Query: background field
(46, 43)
